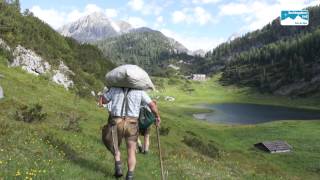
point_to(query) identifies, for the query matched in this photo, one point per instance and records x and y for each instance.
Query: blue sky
(198, 24)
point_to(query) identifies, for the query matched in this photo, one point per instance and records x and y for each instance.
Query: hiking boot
(118, 170)
(129, 175)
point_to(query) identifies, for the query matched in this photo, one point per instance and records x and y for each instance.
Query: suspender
(125, 102)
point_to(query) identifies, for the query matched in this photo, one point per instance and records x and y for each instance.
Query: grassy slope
(45, 151)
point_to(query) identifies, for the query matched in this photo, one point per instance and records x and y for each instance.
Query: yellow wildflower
(18, 173)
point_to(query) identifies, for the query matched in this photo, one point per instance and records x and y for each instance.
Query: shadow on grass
(75, 158)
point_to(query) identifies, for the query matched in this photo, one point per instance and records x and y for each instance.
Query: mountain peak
(97, 26)
(94, 27)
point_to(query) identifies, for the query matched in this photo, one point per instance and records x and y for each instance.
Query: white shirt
(136, 99)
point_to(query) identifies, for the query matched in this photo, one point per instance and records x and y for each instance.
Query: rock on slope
(29, 61)
(1, 93)
(36, 65)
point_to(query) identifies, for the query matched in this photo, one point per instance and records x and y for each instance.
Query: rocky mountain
(145, 47)
(94, 27)
(122, 43)
(97, 26)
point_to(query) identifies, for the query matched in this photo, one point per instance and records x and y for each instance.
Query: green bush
(207, 149)
(187, 87)
(174, 81)
(30, 114)
(160, 83)
(4, 128)
(164, 131)
(72, 122)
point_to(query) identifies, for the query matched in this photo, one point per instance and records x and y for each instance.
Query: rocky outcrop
(34, 64)
(3, 45)
(29, 61)
(61, 76)
(169, 98)
(1, 90)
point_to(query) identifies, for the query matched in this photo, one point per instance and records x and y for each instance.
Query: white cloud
(159, 22)
(137, 22)
(202, 15)
(194, 42)
(136, 5)
(111, 13)
(205, 1)
(197, 15)
(91, 8)
(178, 17)
(233, 9)
(146, 8)
(160, 19)
(257, 13)
(73, 16)
(50, 16)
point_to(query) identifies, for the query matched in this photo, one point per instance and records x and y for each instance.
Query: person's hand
(102, 101)
(158, 121)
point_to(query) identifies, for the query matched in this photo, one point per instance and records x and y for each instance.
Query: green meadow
(66, 143)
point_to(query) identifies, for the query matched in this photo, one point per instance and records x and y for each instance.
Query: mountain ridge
(97, 26)
(93, 27)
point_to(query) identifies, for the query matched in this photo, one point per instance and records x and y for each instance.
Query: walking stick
(160, 156)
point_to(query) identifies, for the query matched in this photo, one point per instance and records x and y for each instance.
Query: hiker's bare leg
(117, 156)
(131, 148)
(146, 142)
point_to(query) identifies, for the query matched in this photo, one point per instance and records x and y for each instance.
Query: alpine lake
(243, 113)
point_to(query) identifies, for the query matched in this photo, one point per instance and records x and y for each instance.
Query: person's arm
(154, 108)
(146, 100)
(102, 100)
(105, 98)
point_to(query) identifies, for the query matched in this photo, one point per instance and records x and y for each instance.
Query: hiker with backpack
(125, 111)
(145, 132)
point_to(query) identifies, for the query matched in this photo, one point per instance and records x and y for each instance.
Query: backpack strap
(125, 101)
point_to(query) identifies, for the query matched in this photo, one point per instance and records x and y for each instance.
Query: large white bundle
(130, 76)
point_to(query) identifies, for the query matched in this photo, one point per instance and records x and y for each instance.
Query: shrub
(174, 81)
(30, 114)
(207, 149)
(164, 131)
(4, 128)
(187, 87)
(159, 83)
(72, 123)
